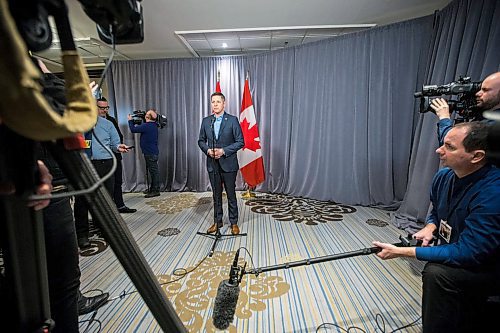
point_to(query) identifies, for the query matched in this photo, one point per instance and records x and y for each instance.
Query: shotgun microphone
(227, 298)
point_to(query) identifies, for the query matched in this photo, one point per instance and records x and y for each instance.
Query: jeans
(152, 168)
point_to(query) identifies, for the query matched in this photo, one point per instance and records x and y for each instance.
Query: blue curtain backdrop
(337, 118)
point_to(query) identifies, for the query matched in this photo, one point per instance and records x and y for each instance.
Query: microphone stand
(404, 242)
(228, 291)
(216, 188)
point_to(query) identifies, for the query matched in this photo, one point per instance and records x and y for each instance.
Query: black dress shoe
(125, 209)
(83, 243)
(90, 304)
(152, 194)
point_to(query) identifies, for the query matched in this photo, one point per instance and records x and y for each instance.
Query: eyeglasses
(103, 107)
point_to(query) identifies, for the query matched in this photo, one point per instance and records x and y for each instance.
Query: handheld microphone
(227, 298)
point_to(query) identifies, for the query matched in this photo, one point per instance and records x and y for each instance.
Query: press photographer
(139, 117)
(473, 98)
(148, 127)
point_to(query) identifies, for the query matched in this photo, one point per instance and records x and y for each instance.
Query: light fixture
(224, 45)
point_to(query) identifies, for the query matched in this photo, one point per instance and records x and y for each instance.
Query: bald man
(487, 99)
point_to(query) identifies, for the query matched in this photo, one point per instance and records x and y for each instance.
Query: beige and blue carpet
(347, 292)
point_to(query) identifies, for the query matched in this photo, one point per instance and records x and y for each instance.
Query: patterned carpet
(281, 229)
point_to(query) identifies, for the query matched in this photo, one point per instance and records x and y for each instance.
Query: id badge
(88, 143)
(445, 231)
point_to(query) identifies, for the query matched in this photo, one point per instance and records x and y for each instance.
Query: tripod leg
(82, 175)
(25, 262)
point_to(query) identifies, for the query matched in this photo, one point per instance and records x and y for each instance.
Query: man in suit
(220, 138)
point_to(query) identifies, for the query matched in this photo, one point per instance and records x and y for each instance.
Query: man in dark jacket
(220, 138)
(149, 147)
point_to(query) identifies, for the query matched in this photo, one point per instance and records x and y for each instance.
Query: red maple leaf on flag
(250, 134)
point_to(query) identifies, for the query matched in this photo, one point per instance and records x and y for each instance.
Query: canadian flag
(250, 157)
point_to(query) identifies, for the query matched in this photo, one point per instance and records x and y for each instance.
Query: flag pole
(249, 192)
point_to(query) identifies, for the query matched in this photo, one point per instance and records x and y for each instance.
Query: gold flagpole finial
(248, 75)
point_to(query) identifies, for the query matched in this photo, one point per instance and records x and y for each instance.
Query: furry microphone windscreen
(225, 304)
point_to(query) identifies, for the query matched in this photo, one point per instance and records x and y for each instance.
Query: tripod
(217, 194)
(22, 238)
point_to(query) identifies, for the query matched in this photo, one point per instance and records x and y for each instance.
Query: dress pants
(62, 264)
(117, 188)
(229, 178)
(454, 298)
(152, 168)
(81, 208)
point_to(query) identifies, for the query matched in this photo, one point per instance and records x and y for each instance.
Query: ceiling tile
(231, 43)
(194, 36)
(252, 43)
(254, 34)
(221, 35)
(200, 45)
(289, 33)
(285, 41)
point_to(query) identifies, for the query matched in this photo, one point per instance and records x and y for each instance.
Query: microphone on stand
(229, 290)
(227, 297)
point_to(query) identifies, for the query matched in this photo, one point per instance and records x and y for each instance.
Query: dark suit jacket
(230, 139)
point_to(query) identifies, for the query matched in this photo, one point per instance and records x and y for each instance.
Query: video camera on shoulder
(463, 88)
(139, 117)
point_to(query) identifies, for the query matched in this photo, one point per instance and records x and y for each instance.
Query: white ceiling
(209, 43)
(162, 18)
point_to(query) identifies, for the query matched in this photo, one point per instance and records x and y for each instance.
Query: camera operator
(487, 99)
(102, 135)
(464, 269)
(102, 104)
(149, 147)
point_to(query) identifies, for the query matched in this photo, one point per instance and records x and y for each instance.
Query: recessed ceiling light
(224, 45)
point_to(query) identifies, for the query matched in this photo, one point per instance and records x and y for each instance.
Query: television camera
(139, 117)
(465, 103)
(118, 21)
